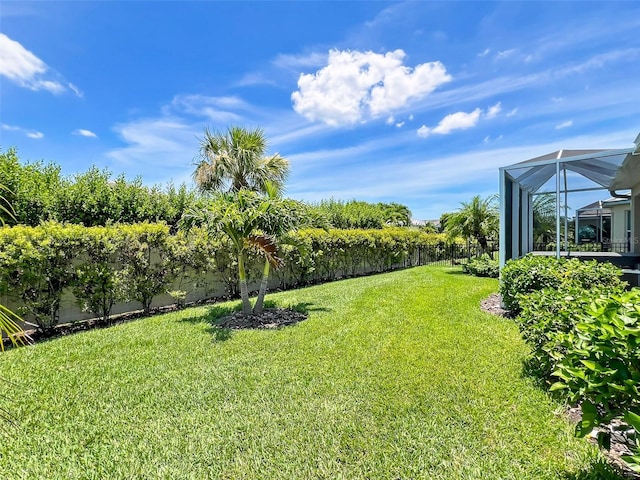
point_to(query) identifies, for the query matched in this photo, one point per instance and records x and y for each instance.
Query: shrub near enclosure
(530, 273)
(584, 331)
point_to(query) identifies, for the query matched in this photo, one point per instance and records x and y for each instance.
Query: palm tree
(397, 215)
(478, 219)
(284, 217)
(544, 217)
(236, 159)
(239, 216)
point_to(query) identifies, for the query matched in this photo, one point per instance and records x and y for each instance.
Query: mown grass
(395, 376)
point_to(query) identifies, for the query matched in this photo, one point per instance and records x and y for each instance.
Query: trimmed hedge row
(101, 266)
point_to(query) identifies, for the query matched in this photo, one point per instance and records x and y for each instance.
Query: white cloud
(485, 52)
(423, 131)
(512, 112)
(458, 121)
(390, 120)
(486, 139)
(411, 117)
(399, 124)
(557, 99)
(84, 133)
(453, 121)
(23, 68)
(494, 110)
(29, 133)
(355, 86)
(566, 124)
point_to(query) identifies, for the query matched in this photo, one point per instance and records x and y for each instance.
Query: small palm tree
(478, 220)
(237, 160)
(284, 217)
(239, 216)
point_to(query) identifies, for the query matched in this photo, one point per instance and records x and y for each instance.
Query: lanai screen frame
(516, 193)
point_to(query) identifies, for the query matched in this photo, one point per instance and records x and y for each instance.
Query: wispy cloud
(566, 124)
(494, 110)
(505, 54)
(485, 52)
(415, 175)
(84, 133)
(25, 131)
(23, 68)
(295, 62)
(216, 109)
(356, 86)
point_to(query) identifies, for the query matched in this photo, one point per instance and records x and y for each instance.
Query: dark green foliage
(584, 329)
(32, 189)
(482, 267)
(602, 359)
(477, 220)
(363, 215)
(531, 273)
(549, 312)
(39, 193)
(600, 367)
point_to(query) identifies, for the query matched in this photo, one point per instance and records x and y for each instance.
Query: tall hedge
(101, 266)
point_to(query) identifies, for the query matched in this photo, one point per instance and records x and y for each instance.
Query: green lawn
(395, 376)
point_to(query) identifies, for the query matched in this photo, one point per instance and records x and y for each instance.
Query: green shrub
(99, 281)
(548, 312)
(482, 267)
(602, 360)
(531, 273)
(601, 366)
(36, 266)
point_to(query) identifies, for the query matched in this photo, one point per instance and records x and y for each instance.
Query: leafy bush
(37, 266)
(99, 282)
(548, 312)
(482, 267)
(602, 360)
(531, 273)
(601, 364)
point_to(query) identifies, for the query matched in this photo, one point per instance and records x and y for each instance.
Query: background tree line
(40, 192)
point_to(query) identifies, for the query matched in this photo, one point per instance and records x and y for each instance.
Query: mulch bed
(269, 319)
(493, 305)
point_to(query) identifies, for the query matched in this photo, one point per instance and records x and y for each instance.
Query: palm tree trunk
(258, 308)
(244, 290)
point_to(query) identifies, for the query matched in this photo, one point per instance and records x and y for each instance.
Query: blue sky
(414, 102)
